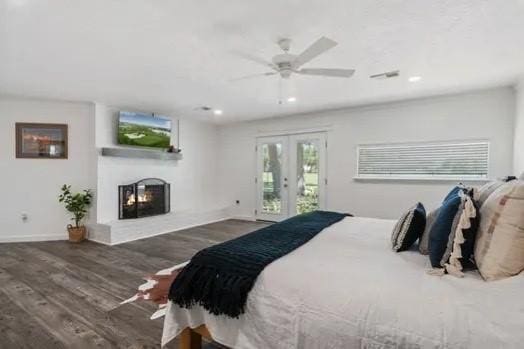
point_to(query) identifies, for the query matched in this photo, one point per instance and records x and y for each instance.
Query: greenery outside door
(291, 176)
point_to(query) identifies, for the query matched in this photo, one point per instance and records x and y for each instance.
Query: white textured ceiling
(173, 56)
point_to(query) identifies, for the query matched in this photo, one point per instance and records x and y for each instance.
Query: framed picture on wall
(41, 141)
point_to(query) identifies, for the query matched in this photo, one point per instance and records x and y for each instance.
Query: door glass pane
(271, 176)
(307, 176)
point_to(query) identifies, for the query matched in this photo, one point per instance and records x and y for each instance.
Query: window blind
(450, 160)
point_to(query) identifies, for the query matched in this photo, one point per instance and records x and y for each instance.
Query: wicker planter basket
(76, 234)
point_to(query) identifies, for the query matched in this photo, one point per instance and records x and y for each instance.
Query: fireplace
(147, 197)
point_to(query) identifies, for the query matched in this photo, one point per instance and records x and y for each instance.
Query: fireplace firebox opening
(147, 197)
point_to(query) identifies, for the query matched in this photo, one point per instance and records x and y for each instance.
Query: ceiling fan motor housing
(284, 64)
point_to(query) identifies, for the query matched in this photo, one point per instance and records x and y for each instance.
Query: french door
(291, 175)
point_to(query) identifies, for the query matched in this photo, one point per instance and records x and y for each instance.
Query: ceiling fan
(286, 64)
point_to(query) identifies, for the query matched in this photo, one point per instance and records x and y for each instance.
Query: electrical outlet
(24, 217)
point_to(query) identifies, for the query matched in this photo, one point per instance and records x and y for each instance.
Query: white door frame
(288, 174)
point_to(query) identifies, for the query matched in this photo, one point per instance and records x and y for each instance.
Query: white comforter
(347, 289)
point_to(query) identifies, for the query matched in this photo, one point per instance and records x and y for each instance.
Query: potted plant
(77, 204)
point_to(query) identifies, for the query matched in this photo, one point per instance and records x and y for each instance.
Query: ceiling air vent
(386, 75)
(204, 108)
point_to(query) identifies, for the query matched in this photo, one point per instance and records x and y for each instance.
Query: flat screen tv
(144, 130)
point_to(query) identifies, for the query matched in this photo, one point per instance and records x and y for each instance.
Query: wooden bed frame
(191, 338)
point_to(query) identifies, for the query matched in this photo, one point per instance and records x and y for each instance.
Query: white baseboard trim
(244, 218)
(163, 232)
(99, 241)
(33, 238)
(121, 231)
(101, 233)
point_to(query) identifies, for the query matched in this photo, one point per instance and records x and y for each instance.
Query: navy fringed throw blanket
(220, 277)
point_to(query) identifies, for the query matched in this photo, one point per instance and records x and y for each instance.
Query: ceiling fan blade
(254, 58)
(253, 76)
(317, 48)
(336, 73)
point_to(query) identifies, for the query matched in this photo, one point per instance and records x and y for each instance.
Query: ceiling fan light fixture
(414, 78)
(292, 99)
(218, 112)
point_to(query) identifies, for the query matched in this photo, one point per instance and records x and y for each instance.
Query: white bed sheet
(347, 289)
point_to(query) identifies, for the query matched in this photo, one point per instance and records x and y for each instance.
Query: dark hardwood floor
(63, 295)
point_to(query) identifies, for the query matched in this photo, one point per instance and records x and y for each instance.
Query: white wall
(219, 163)
(480, 115)
(32, 185)
(193, 179)
(518, 156)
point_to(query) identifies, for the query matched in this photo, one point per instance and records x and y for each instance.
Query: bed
(346, 289)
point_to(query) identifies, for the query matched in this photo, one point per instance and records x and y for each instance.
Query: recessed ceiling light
(414, 78)
(218, 112)
(292, 99)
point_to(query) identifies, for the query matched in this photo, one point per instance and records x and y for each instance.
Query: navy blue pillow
(441, 229)
(409, 228)
(454, 192)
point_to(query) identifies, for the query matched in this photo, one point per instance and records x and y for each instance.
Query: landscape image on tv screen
(144, 130)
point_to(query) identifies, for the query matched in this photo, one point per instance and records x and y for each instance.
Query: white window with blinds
(445, 160)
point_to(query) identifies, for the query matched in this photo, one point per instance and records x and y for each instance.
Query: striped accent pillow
(499, 249)
(481, 194)
(408, 228)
